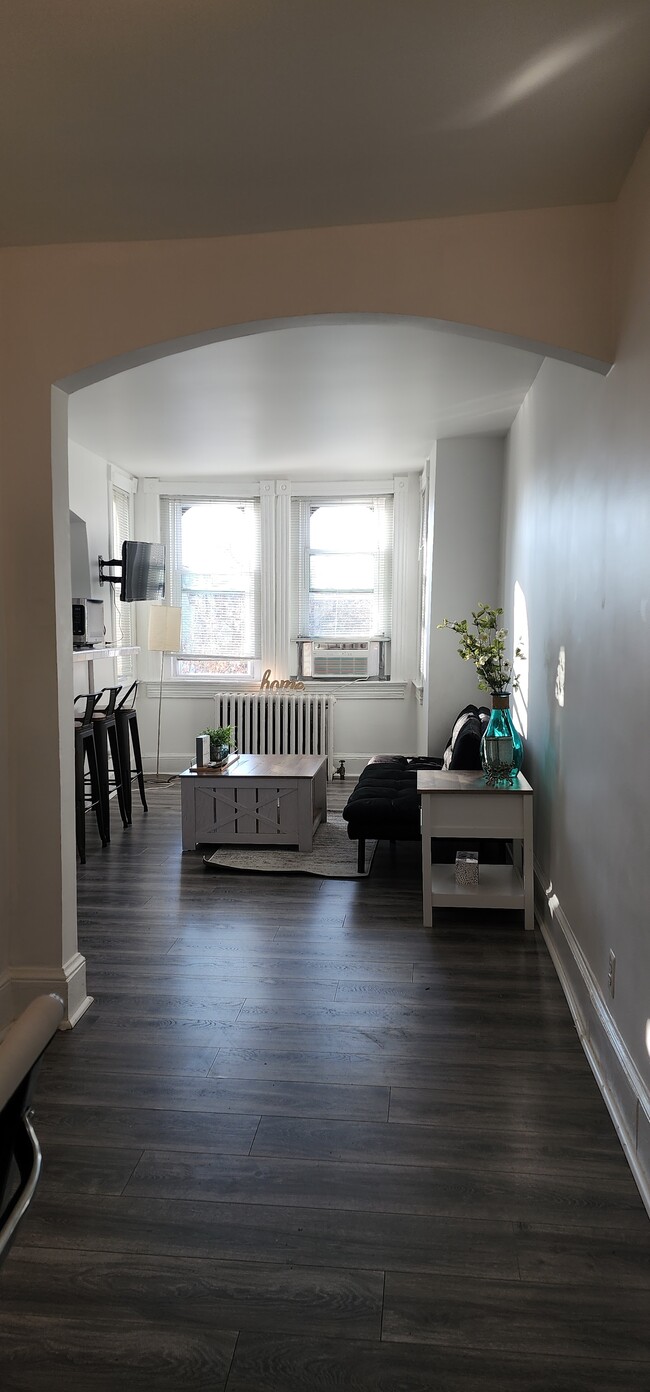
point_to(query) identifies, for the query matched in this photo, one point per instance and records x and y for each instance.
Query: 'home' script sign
(287, 685)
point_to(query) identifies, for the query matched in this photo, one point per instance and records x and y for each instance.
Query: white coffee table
(461, 806)
(260, 800)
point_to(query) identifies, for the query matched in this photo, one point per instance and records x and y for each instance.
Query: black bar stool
(85, 749)
(105, 727)
(127, 735)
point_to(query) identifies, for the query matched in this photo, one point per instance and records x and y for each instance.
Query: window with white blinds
(345, 548)
(213, 546)
(123, 613)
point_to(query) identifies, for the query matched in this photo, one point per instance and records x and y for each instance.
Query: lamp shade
(164, 628)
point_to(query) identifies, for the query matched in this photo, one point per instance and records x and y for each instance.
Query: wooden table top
(461, 781)
(266, 766)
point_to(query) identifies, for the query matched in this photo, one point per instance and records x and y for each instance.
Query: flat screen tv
(143, 570)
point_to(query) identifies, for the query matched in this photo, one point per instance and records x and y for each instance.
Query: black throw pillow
(463, 750)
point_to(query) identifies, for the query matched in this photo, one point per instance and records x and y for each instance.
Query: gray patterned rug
(334, 855)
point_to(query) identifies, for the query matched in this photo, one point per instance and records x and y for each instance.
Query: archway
(534, 279)
(146, 356)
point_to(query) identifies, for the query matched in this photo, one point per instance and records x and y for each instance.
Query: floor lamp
(164, 637)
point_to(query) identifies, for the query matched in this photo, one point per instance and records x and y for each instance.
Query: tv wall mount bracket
(103, 572)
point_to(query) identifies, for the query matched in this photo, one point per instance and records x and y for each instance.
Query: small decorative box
(467, 869)
(202, 750)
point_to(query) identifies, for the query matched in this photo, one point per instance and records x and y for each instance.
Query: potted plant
(484, 643)
(220, 741)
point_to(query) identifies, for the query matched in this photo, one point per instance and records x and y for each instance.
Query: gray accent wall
(577, 544)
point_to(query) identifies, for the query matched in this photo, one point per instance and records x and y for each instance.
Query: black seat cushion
(386, 804)
(386, 798)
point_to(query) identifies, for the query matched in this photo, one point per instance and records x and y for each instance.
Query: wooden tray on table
(209, 770)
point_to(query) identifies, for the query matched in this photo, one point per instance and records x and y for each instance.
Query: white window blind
(346, 552)
(123, 613)
(213, 547)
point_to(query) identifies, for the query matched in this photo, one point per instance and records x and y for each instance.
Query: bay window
(296, 579)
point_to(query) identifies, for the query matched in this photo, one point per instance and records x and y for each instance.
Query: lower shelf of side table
(499, 887)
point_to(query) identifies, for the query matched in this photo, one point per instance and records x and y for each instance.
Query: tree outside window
(217, 566)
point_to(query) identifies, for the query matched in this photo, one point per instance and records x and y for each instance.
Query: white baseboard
(354, 763)
(20, 985)
(169, 763)
(624, 1091)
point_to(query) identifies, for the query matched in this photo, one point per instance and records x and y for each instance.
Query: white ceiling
(155, 118)
(328, 401)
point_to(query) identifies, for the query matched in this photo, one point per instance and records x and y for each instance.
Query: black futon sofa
(385, 804)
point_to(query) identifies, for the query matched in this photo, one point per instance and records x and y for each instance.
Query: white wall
(467, 487)
(90, 489)
(577, 541)
(88, 475)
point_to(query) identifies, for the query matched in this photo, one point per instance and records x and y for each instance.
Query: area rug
(334, 855)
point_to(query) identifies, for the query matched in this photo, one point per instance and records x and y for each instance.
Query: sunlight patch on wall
(520, 664)
(551, 899)
(560, 677)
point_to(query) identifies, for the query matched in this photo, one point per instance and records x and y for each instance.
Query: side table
(461, 806)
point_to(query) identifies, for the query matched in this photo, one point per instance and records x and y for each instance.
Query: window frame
(280, 502)
(171, 527)
(382, 587)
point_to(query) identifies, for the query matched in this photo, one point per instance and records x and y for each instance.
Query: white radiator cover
(279, 723)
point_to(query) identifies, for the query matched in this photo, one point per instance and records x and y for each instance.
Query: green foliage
(220, 737)
(486, 649)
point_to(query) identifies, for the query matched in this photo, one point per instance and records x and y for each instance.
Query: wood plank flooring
(302, 1144)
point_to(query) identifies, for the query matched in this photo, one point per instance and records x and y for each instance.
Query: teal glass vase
(502, 749)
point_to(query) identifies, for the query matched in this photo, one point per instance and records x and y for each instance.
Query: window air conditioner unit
(350, 658)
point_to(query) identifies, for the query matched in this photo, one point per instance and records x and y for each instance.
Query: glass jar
(502, 749)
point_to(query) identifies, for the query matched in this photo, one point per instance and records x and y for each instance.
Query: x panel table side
(262, 799)
(458, 805)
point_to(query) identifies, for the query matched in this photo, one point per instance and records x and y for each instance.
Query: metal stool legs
(127, 735)
(105, 730)
(98, 732)
(84, 748)
(105, 727)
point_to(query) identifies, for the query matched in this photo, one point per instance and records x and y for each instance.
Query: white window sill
(191, 688)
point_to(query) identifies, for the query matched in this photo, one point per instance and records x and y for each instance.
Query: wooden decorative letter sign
(289, 684)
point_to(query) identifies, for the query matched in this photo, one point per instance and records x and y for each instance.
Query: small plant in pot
(484, 643)
(220, 741)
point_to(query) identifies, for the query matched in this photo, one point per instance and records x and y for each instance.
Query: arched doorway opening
(455, 336)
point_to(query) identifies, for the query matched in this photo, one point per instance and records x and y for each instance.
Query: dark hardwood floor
(302, 1144)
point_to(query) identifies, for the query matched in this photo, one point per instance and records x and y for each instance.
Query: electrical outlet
(611, 973)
